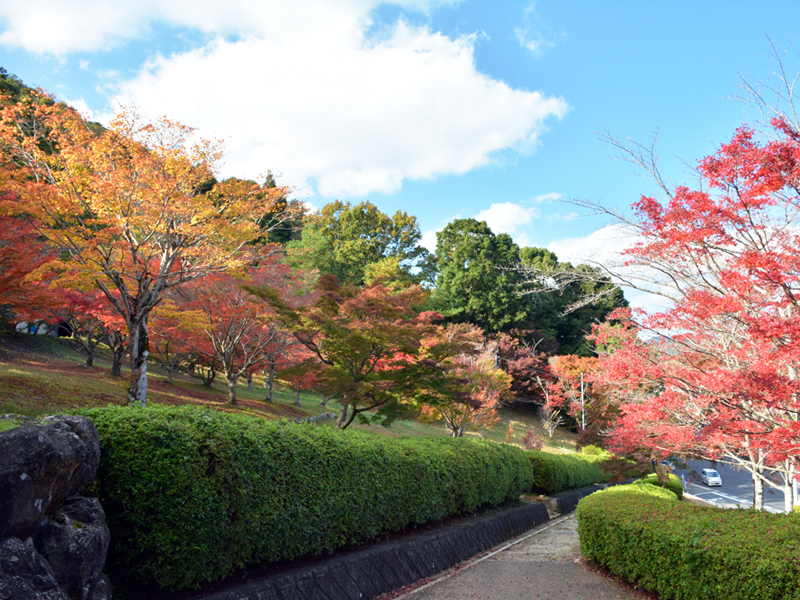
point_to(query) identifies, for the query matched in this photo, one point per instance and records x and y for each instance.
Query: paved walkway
(540, 565)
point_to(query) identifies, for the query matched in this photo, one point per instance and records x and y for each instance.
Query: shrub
(592, 450)
(672, 483)
(555, 473)
(680, 550)
(193, 494)
(532, 441)
(643, 488)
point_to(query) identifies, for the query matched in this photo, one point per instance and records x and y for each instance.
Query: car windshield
(712, 473)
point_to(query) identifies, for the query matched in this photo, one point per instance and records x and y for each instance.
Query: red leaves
(720, 375)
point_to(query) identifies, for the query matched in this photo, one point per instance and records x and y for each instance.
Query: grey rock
(102, 589)
(75, 542)
(24, 574)
(40, 466)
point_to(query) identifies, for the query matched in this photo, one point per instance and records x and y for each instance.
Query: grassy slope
(42, 375)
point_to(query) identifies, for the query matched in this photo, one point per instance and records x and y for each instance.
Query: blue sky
(441, 109)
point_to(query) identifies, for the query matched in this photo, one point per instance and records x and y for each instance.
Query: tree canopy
(471, 286)
(122, 207)
(720, 379)
(346, 240)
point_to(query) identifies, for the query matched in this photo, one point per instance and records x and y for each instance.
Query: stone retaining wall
(366, 573)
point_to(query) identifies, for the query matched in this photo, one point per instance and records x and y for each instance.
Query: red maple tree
(718, 376)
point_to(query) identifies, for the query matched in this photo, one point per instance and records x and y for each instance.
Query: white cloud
(605, 248)
(82, 107)
(61, 27)
(429, 240)
(299, 88)
(530, 36)
(548, 198)
(509, 217)
(602, 246)
(56, 27)
(562, 217)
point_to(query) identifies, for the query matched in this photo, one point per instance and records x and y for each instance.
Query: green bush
(672, 483)
(193, 494)
(642, 487)
(555, 473)
(592, 450)
(680, 550)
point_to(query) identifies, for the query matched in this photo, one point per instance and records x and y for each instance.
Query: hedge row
(193, 494)
(672, 483)
(556, 473)
(680, 550)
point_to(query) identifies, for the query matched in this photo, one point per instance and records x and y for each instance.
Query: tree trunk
(341, 422)
(269, 381)
(116, 361)
(231, 379)
(90, 346)
(208, 375)
(297, 399)
(139, 347)
(788, 491)
(169, 374)
(758, 493)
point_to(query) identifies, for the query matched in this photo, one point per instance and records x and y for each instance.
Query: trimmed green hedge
(642, 487)
(672, 483)
(556, 473)
(680, 550)
(193, 494)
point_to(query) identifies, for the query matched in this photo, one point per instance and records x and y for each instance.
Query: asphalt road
(736, 489)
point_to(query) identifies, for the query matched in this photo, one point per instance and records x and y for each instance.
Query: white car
(710, 477)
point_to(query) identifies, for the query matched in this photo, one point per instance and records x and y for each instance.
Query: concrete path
(541, 565)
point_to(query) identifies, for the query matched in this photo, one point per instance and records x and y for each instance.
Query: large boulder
(24, 574)
(75, 542)
(40, 466)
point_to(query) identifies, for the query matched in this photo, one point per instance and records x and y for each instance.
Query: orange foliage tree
(301, 369)
(130, 209)
(23, 254)
(236, 325)
(368, 339)
(459, 382)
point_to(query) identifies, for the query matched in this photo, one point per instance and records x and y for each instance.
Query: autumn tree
(519, 353)
(368, 338)
(281, 345)
(294, 290)
(125, 208)
(718, 379)
(176, 333)
(301, 369)
(234, 323)
(84, 311)
(574, 390)
(24, 293)
(459, 382)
